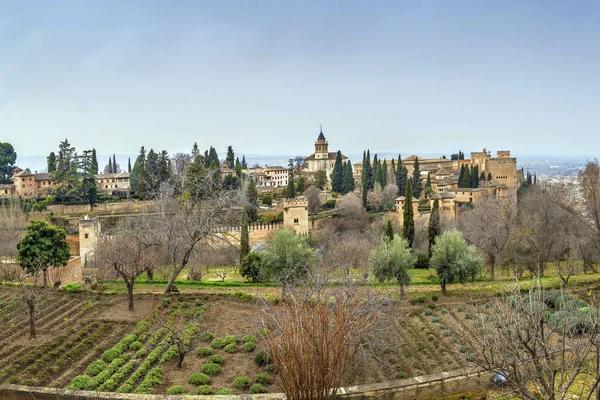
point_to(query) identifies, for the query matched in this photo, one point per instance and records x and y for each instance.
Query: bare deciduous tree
(539, 356)
(589, 183)
(313, 196)
(13, 222)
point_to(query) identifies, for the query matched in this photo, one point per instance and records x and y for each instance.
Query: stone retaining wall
(421, 387)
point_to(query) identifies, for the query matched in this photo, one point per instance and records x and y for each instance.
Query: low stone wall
(124, 206)
(421, 387)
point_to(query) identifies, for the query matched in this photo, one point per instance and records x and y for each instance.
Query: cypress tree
(51, 162)
(380, 176)
(428, 189)
(366, 173)
(244, 163)
(195, 151)
(482, 176)
(461, 177)
(291, 187)
(94, 166)
(337, 182)
(433, 230)
(238, 168)
(489, 176)
(384, 174)
(416, 180)
(129, 165)
(348, 178)
(393, 174)
(467, 182)
(475, 177)
(301, 185)
(230, 158)
(109, 166)
(408, 223)
(139, 180)
(373, 176)
(114, 164)
(388, 231)
(252, 200)
(244, 238)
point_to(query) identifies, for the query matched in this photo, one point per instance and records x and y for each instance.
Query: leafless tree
(130, 250)
(13, 223)
(488, 226)
(350, 206)
(589, 183)
(204, 213)
(376, 196)
(390, 192)
(221, 274)
(31, 295)
(539, 356)
(313, 196)
(314, 337)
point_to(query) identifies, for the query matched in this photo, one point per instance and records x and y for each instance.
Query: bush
(454, 339)
(129, 339)
(248, 347)
(447, 333)
(435, 319)
(264, 379)
(442, 327)
(217, 359)
(241, 382)
(230, 339)
(422, 261)
(468, 316)
(177, 389)
(249, 338)
(270, 368)
(223, 392)
(218, 343)
(135, 345)
(261, 358)
(95, 368)
(462, 348)
(204, 389)
(444, 311)
(435, 297)
(110, 355)
(418, 299)
(250, 267)
(141, 353)
(169, 354)
(230, 348)
(257, 388)
(206, 336)
(211, 369)
(428, 312)
(82, 382)
(199, 379)
(267, 200)
(460, 309)
(204, 351)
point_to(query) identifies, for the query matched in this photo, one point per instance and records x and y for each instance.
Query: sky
(392, 76)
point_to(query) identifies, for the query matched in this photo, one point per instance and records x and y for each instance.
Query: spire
(321, 136)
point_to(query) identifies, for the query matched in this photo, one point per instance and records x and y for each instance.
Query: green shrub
(206, 336)
(428, 312)
(223, 392)
(249, 338)
(418, 299)
(177, 389)
(264, 379)
(217, 359)
(218, 343)
(110, 355)
(257, 388)
(422, 261)
(135, 345)
(241, 382)
(462, 348)
(211, 369)
(435, 297)
(82, 382)
(141, 353)
(442, 327)
(230, 339)
(204, 351)
(270, 368)
(249, 346)
(204, 389)
(460, 309)
(169, 354)
(447, 333)
(95, 368)
(129, 339)
(435, 319)
(152, 380)
(454, 340)
(230, 348)
(444, 311)
(261, 358)
(199, 379)
(468, 316)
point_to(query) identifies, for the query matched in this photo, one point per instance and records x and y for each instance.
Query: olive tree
(453, 259)
(391, 260)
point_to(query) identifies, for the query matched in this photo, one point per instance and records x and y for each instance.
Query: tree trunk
(492, 264)
(31, 321)
(181, 357)
(150, 274)
(443, 284)
(45, 273)
(130, 294)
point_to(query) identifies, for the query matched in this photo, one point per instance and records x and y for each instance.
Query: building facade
(322, 159)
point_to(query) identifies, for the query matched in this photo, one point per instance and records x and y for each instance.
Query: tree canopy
(8, 157)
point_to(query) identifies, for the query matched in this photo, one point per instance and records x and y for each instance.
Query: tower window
(296, 221)
(87, 235)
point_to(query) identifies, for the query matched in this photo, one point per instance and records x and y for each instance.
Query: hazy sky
(406, 76)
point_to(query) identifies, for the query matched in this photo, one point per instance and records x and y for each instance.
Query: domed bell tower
(321, 146)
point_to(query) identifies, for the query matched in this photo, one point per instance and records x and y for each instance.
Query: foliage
(249, 347)
(223, 392)
(199, 379)
(241, 382)
(262, 358)
(95, 368)
(111, 354)
(348, 184)
(433, 229)
(175, 390)
(408, 221)
(257, 388)
(250, 267)
(264, 379)
(388, 230)
(217, 359)
(416, 180)
(204, 351)
(422, 261)
(267, 200)
(211, 369)
(230, 348)
(453, 259)
(82, 382)
(204, 390)
(392, 260)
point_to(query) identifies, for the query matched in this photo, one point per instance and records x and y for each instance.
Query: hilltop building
(322, 159)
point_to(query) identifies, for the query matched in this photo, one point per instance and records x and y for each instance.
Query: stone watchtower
(295, 215)
(89, 232)
(321, 147)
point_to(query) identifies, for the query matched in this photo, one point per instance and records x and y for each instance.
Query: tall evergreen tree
(337, 182)
(230, 158)
(252, 200)
(392, 174)
(348, 178)
(195, 151)
(433, 230)
(89, 190)
(114, 165)
(94, 167)
(51, 163)
(408, 223)
(380, 174)
(238, 168)
(416, 179)
(489, 176)
(66, 178)
(301, 185)
(129, 165)
(140, 179)
(374, 171)
(467, 182)
(244, 163)
(428, 188)
(291, 187)
(388, 230)
(164, 169)
(475, 177)
(365, 179)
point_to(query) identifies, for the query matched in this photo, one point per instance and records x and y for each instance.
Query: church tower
(321, 147)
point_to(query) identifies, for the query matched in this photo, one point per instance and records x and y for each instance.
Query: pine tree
(388, 230)
(416, 179)
(195, 151)
(164, 171)
(408, 223)
(337, 182)
(348, 178)
(230, 158)
(433, 230)
(244, 238)
(51, 163)
(139, 179)
(244, 163)
(94, 167)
